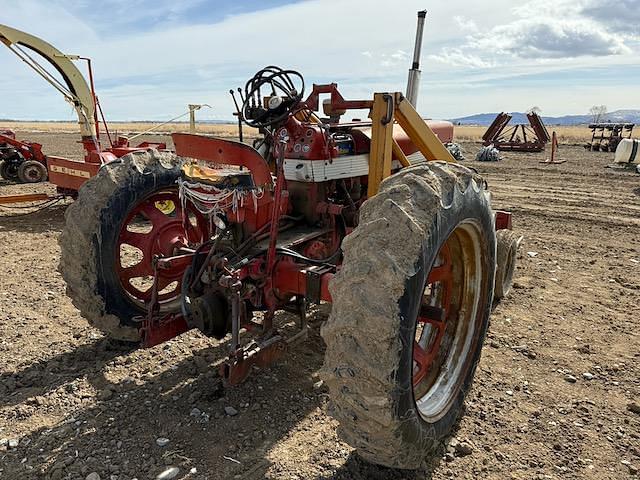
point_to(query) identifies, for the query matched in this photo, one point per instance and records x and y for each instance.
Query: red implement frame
(28, 150)
(517, 138)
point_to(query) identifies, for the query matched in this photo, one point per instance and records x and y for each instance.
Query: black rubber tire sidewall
(414, 429)
(32, 163)
(4, 167)
(506, 258)
(138, 187)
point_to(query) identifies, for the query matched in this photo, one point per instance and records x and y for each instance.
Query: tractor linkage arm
(384, 110)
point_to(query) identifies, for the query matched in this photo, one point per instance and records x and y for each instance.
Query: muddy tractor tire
(507, 252)
(410, 311)
(123, 217)
(32, 171)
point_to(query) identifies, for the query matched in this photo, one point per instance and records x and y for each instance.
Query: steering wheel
(283, 96)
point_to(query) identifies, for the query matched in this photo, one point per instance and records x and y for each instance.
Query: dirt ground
(556, 394)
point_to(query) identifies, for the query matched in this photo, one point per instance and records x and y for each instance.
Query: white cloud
(457, 57)
(622, 16)
(550, 38)
(399, 57)
(545, 33)
(465, 24)
(208, 59)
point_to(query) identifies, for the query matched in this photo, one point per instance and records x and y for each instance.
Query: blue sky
(152, 58)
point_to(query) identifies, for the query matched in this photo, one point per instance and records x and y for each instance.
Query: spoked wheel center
(447, 322)
(156, 227)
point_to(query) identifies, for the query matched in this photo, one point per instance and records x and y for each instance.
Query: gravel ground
(556, 394)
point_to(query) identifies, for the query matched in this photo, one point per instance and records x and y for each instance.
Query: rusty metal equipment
(223, 237)
(300, 147)
(554, 151)
(530, 137)
(605, 137)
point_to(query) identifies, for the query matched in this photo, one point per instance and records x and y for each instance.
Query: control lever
(238, 112)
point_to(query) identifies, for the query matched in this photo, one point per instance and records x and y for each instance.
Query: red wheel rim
(434, 311)
(156, 226)
(451, 314)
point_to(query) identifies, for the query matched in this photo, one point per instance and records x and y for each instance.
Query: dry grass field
(127, 128)
(465, 133)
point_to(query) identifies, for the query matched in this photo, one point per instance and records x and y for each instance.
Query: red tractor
(21, 161)
(374, 217)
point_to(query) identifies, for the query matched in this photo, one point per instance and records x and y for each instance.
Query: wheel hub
(32, 173)
(169, 239)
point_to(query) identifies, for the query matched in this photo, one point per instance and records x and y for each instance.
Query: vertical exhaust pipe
(413, 83)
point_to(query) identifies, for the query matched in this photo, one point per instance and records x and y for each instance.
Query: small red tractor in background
(24, 161)
(375, 217)
(20, 160)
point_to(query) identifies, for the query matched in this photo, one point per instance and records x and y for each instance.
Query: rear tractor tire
(410, 311)
(506, 256)
(32, 171)
(123, 217)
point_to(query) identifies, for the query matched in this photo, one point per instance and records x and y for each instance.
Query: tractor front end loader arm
(385, 109)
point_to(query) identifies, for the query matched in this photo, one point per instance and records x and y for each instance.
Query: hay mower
(375, 217)
(25, 161)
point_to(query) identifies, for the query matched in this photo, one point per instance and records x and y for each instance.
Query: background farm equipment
(605, 137)
(21, 161)
(553, 160)
(68, 175)
(517, 138)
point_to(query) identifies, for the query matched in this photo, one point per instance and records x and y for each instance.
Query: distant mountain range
(619, 116)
